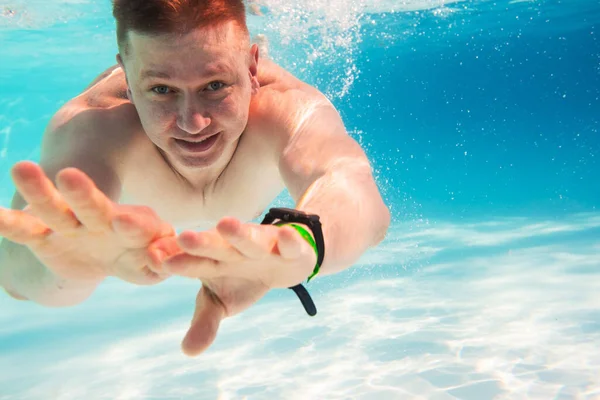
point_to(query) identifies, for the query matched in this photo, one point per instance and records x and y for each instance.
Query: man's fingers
(20, 227)
(91, 207)
(209, 244)
(255, 242)
(138, 226)
(205, 324)
(289, 243)
(184, 264)
(161, 249)
(42, 197)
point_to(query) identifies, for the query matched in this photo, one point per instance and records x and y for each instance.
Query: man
(191, 130)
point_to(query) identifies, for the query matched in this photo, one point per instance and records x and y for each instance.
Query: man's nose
(191, 119)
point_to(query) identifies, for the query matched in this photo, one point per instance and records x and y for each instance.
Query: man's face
(192, 92)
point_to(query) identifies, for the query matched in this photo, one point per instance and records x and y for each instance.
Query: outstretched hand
(238, 263)
(78, 233)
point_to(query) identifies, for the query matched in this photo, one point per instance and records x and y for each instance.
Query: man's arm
(78, 144)
(327, 173)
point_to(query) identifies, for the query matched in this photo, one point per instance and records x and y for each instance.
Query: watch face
(290, 214)
(292, 211)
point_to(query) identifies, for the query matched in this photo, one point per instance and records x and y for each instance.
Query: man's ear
(122, 65)
(120, 61)
(253, 68)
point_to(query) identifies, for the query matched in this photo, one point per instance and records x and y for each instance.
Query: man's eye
(214, 86)
(161, 90)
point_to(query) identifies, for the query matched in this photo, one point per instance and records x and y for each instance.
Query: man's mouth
(198, 146)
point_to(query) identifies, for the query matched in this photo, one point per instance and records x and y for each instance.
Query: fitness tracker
(287, 216)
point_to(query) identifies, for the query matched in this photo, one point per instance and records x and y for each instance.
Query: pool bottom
(506, 309)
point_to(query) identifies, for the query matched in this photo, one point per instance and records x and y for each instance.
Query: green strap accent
(308, 237)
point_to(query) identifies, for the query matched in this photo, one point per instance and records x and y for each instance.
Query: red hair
(174, 16)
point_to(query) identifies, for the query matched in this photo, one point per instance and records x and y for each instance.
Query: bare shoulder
(277, 81)
(105, 92)
(97, 124)
(284, 103)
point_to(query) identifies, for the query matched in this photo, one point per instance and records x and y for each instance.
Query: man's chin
(196, 162)
(196, 157)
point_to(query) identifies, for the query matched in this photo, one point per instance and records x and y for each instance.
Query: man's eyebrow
(154, 74)
(216, 69)
(208, 72)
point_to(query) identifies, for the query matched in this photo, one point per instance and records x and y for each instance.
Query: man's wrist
(299, 218)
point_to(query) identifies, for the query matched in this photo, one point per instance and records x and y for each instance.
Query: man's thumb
(205, 324)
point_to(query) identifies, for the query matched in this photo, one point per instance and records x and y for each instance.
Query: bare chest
(244, 190)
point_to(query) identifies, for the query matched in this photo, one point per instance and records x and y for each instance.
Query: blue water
(482, 121)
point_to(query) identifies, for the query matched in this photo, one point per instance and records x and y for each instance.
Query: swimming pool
(481, 119)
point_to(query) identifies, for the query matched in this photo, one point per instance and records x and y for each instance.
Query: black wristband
(312, 221)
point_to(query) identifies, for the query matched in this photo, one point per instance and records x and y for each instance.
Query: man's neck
(202, 178)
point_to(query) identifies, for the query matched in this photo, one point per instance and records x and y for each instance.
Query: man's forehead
(223, 37)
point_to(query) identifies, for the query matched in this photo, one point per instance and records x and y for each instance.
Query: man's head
(191, 73)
